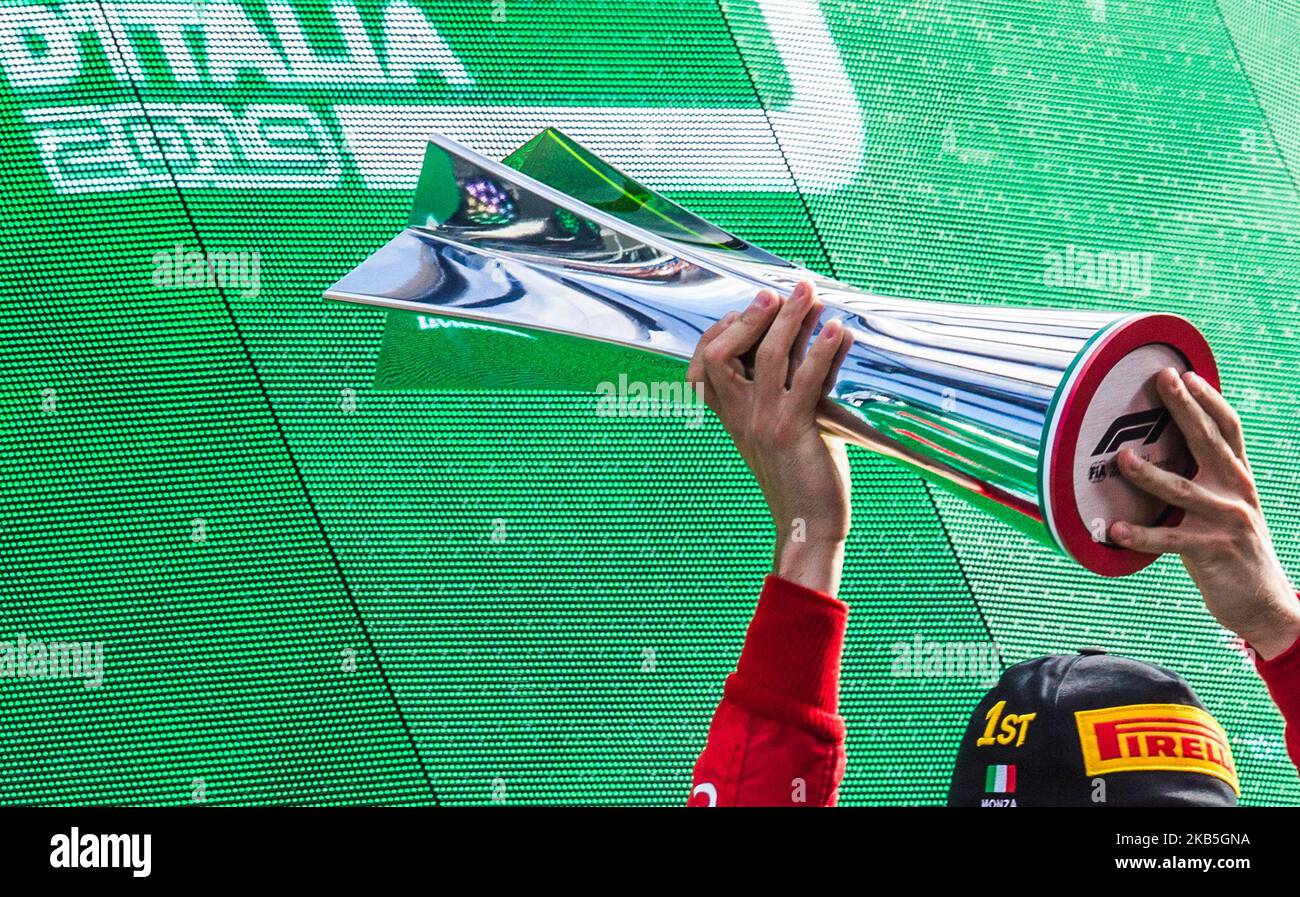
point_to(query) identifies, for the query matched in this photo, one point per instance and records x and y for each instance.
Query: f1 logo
(1144, 425)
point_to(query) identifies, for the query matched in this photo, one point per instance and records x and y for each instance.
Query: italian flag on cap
(1000, 779)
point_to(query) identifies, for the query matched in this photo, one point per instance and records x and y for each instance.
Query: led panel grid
(420, 594)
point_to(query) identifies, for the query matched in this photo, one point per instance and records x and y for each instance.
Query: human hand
(1223, 538)
(772, 418)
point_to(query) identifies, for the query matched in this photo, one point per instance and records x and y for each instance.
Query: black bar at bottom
(332, 848)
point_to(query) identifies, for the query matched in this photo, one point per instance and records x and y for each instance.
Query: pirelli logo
(1150, 737)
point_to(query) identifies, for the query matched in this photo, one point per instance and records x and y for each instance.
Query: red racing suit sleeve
(777, 738)
(1282, 676)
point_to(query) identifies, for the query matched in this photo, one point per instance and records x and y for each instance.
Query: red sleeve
(1282, 676)
(777, 738)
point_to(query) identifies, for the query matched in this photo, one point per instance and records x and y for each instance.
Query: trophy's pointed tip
(551, 132)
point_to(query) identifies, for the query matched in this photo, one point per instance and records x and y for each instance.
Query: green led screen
(329, 560)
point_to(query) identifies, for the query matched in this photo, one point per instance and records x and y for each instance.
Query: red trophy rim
(1080, 387)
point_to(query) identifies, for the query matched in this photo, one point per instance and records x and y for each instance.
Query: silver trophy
(1021, 411)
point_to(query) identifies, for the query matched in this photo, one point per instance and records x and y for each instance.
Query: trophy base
(1106, 402)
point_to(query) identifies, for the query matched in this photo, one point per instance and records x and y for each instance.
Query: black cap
(1092, 729)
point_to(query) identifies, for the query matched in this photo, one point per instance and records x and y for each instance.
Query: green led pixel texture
(329, 567)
